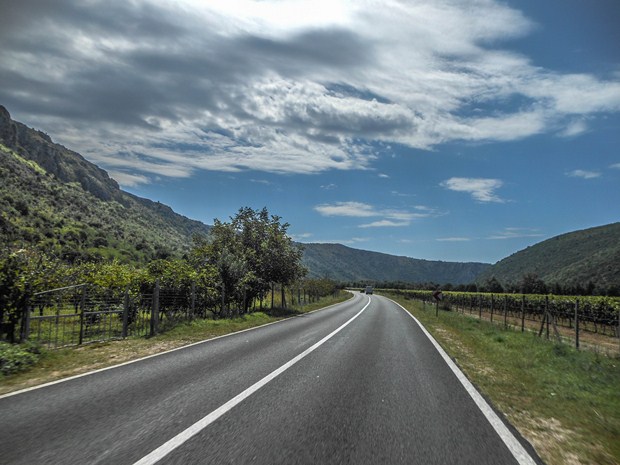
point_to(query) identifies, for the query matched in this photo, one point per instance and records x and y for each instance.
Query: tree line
(530, 283)
(242, 262)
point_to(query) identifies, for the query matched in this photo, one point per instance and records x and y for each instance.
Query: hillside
(54, 199)
(575, 258)
(346, 264)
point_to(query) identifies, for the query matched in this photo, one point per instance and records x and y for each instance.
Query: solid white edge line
(129, 362)
(513, 444)
(163, 450)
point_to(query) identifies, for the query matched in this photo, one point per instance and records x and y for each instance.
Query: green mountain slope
(576, 258)
(346, 264)
(53, 199)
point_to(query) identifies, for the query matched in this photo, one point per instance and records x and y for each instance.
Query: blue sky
(445, 130)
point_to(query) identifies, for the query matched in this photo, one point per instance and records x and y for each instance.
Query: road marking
(129, 362)
(513, 444)
(197, 427)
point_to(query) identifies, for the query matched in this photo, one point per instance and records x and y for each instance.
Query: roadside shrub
(14, 357)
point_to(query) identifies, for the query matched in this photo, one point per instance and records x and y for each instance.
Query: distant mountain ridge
(347, 264)
(571, 259)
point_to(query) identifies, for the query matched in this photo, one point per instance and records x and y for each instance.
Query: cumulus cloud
(295, 87)
(481, 189)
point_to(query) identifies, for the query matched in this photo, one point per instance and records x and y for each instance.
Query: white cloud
(584, 174)
(481, 189)
(615, 166)
(453, 239)
(351, 209)
(301, 237)
(129, 180)
(231, 85)
(575, 128)
(390, 217)
(515, 233)
(385, 223)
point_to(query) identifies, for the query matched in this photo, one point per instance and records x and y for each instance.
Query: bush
(14, 357)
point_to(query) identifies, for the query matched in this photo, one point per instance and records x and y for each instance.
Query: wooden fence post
(522, 313)
(25, 326)
(479, 307)
(618, 330)
(155, 309)
(547, 313)
(505, 311)
(125, 313)
(492, 307)
(577, 324)
(82, 309)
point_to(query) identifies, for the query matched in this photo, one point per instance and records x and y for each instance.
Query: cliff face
(8, 130)
(65, 164)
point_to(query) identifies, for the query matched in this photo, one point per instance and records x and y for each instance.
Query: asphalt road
(356, 383)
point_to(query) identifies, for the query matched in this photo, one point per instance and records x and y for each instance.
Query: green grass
(565, 402)
(52, 365)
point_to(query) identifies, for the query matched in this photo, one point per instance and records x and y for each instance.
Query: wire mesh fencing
(83, 313)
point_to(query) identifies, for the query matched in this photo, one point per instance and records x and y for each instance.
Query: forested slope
(346, 264)
(573, 259)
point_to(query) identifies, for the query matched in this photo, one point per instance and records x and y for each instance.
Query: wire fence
(83, 313)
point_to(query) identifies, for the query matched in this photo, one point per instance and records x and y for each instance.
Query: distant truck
(368, 290)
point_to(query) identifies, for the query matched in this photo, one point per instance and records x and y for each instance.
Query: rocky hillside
(53, 199)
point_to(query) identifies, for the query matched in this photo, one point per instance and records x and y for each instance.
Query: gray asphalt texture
(377, 392)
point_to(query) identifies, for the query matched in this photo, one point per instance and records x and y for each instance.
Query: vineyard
(586, 320)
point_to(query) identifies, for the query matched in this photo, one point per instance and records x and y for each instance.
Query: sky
(437, 129)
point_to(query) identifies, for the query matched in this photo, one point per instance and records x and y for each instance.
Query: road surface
(356, 383)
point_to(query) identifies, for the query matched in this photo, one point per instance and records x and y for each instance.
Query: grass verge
(53, 365)
(565, 402)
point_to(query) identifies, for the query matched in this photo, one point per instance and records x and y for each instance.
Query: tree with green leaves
(250, 254)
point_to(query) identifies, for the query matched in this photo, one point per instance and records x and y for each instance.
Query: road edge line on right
(518, 451)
